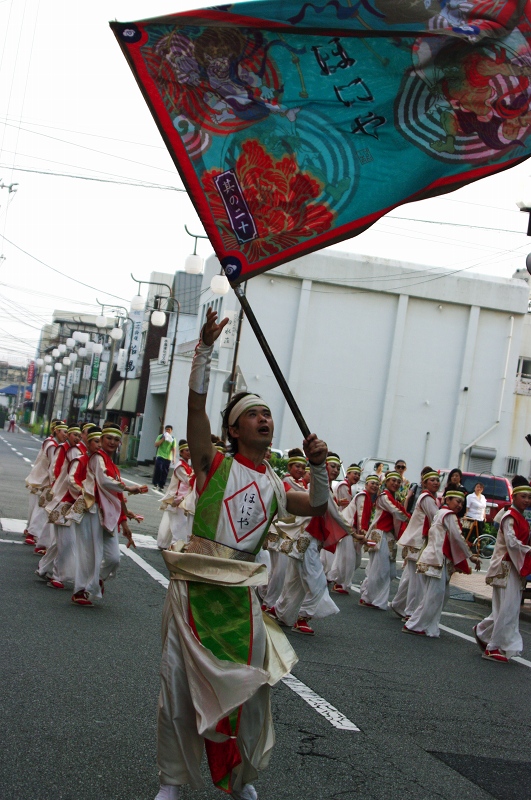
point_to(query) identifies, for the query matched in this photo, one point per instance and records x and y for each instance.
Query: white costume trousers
(33, 499)
(347, 560)
(327, 560)
(410, 590)
(304, 588)
(173, 526)
(427, 615)
(64, 565)
(500, 630)
(180, 746)
(380, 572)
(40, 527)
(98, 555)
(277, 575)
(45, 568)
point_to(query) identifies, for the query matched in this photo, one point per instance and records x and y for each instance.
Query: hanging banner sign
(95, 367)
(62, 380)
(102, 372)
(296, 125)
(70, 378)
(120, 361)
(77, 375)
(31, 373)
(164, 351)
(228, 334)
(44, 382)
(132, 344)
(86, 372)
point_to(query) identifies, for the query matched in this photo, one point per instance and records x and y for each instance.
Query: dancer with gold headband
(40, 526)
(174, 523)
(358, 515)
(89, 544)
(219, 659)
(59, 562)
(446, 552)
(103, 490)
(343, 490)
(413, 539)
(381, 544)
(498, 636)
(283, 536)
(333, 467)
(39, 478)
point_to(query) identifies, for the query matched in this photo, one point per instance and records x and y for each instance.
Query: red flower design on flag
(280, 197)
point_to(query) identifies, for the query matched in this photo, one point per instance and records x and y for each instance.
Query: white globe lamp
(158, 318)
(219, 284)
(194, 265)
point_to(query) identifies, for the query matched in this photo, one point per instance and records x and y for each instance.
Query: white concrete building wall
(378, 355)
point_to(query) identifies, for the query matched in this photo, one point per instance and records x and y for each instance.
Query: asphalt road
(79, 691)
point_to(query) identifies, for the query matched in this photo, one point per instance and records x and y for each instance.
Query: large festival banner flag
(295, 125)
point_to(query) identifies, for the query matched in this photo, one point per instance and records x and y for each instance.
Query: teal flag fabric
(295, 125)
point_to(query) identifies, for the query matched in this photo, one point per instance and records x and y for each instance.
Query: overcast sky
(69, 104)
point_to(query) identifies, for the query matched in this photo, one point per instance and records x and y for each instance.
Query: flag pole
(262, 341)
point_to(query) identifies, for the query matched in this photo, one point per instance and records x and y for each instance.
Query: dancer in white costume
(343, 492)
(59, 562)
(39, 526)
(218, 660)
(498, 635)
(39, 478)
(348, 551)
(305, 593)
(282, 536)
(174, 523)
(381, 544)
(446, 552)
(103, 490)
(410, 589)
(333, 466)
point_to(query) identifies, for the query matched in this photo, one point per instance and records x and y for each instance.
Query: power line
(58, 271)
(138, 184)
(85, 147)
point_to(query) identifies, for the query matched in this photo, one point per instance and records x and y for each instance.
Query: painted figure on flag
(298, 124)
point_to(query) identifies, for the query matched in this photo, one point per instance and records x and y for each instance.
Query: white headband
(249, 401)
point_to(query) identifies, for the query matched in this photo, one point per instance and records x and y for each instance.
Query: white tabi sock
(167, 792)
(247, 793)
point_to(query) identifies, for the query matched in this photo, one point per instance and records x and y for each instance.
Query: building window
(523, 376)
(512, 465)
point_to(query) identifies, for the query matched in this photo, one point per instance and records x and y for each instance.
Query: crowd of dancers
(77, 509)
(310, 559)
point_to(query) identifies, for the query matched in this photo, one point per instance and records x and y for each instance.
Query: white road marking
(158, 576)
(9, 541)
(10, 525)
(27, 459)
(18, 454)
(319, 704)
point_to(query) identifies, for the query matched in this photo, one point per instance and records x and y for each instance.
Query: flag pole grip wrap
(262, 341)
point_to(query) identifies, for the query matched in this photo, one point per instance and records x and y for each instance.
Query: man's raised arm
(202, 451)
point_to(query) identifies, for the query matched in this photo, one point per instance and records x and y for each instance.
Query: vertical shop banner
(132, 344)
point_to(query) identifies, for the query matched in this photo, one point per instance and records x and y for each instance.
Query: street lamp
(47, 359)
(62, 348)
(56, 352)
(70, 342)
(66, 361)
(73, 357)
(116, 334)
(101, 321)
(194, 264)
(48, 368)
(158, 318)
(58, 366)
(220, 284)
(138, 303)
